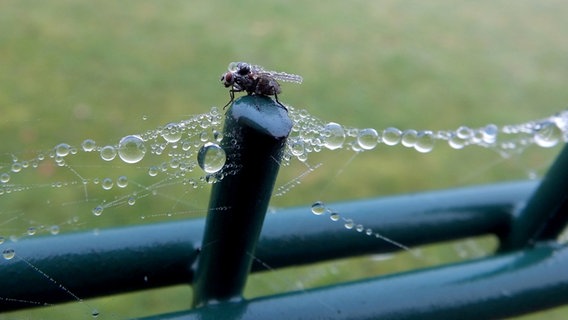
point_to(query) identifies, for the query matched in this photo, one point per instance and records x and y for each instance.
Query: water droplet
(4, 178)
(2, 239)
(131, 149)
(16, 167)
(95, 313)
(425, 142)
(98, 210)
(456, 142)
(409, 138)
(62, 149)
(108, 153)
(153, 171)
(391, 136)
(8, 254)
(31, 231)
(122, 182)
(88, 145)
(334, 216)
(547, 134)
(464, 132)
(334, 136)
(318, 208)
(107, 183)
(489, 133)
(211, 157)
(349, 224)
(54, 230)
(359, 228)
(131, 201)
(369, 232)
(368, 138)
(297, 147)
(172, 132)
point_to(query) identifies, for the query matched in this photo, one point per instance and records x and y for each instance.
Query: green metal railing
(215, 255)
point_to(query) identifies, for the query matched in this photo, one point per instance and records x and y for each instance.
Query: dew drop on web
(8, 254)
(318, 208)
(211, 157)
(391, 136)
(108, 153)
(334, 136)
(368, 138)
(131, 149)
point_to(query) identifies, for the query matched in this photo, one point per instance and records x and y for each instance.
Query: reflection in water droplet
(318, 208)
(8, 253)
(334, 216)
(172, 132)
(88, 145)
(107, 183)
(368, 138)
(391, 136)
(62, 149)
(108, 153)
(122, 182)
(54, 230)
(4, 178)
(211, 157)
(131, 149)
(547, 135)
(425, 142)
(98, 210)
(409, 138)
(334, 136)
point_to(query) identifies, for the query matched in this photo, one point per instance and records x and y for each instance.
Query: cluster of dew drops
(181, 147)
(310, 134)
(187, 145)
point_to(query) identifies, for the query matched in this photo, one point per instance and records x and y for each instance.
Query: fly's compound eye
(227, 79)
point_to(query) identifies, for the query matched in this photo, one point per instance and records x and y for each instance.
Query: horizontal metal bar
(141, 257)
(496, 287)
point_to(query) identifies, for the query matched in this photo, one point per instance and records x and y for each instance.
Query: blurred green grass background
(73, 70)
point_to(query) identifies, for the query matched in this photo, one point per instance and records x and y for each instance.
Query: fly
(254, 79)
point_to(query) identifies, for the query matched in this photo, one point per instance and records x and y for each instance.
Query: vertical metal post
(255, 134)
(546, 213)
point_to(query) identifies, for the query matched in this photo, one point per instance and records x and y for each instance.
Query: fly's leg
(232, 95)
(280, 104)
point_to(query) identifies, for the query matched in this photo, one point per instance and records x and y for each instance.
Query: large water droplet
(122, 182)
(334, 216)
(211, 157)
(334, 136)
(131, 149)
(62, 149)
(391, 136)
(88, 145)
(108, 153)
(172, 132)
(16, 167)
(318, 208)
(8, 253)
(368, 138)
(425, 142)
(107, 183)
(547, 134)
(409, 138)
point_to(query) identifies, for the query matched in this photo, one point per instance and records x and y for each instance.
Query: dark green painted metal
(546, 213)
(254, 138)
(501, 286)
(98, 263)
(142, 257)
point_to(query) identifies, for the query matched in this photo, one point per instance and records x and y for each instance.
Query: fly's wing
(286, 77)
(282, 76)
